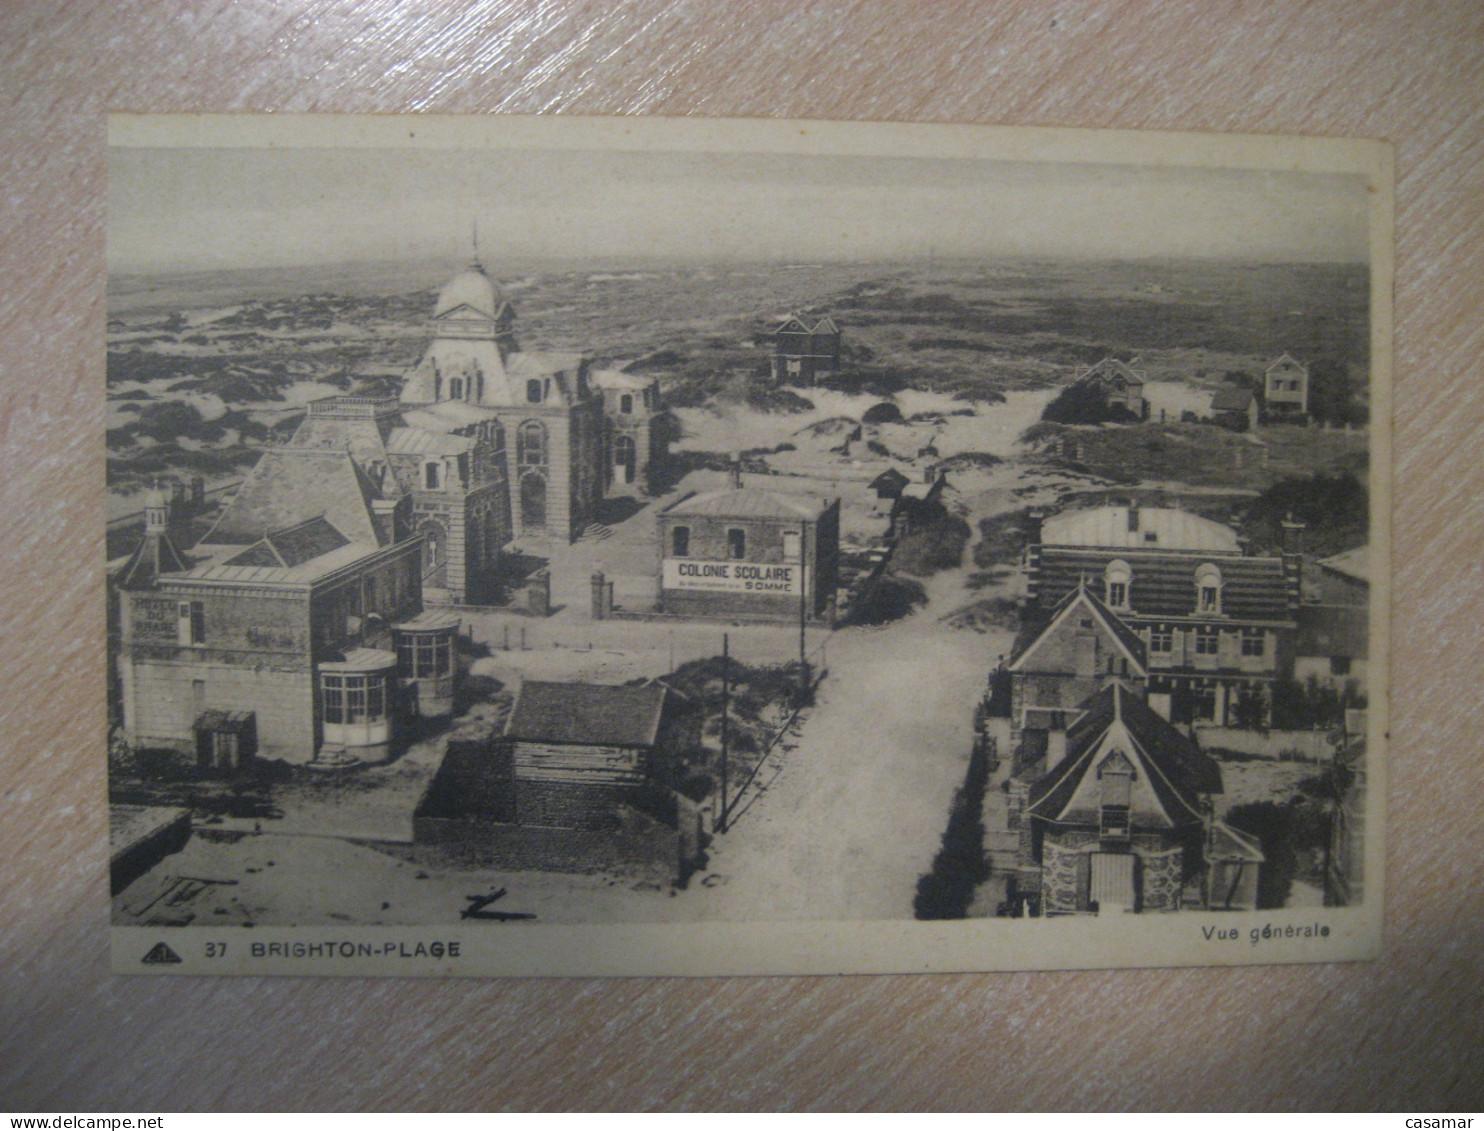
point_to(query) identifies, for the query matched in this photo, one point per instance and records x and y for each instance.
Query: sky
(211, 209)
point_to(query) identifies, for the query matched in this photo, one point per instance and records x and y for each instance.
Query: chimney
(1033, 520)
(1293, 560)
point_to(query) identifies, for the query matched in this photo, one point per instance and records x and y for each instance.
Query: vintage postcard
(642, 546)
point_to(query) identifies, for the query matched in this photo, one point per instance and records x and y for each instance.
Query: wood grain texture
(1404, 1032)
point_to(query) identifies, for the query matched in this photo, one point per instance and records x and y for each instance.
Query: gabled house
(1120, 384)
(1079, 650)
(1286, 389)
(802, 351)
(1122, 821)
(1217, 623)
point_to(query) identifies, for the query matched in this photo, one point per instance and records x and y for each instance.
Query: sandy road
(854, 816)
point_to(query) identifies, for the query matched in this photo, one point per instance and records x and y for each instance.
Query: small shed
(1235, 407)
(889, 484)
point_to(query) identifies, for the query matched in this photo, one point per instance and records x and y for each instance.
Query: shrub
(883, 413)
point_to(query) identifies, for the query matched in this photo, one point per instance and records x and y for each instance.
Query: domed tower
(473, 333)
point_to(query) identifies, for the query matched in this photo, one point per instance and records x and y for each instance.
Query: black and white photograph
(601, 547)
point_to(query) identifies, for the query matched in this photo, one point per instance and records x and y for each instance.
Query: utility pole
(803, 620)
(726, 699)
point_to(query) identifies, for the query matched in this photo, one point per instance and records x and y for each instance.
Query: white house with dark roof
(1286, 389)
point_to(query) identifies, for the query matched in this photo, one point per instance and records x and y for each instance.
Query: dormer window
(626, 403)
(1208, 590)
(533, 391)
(432, 476)
(1116, 580)
(456, 388)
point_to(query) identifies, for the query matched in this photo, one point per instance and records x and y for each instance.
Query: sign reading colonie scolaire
(732, 577)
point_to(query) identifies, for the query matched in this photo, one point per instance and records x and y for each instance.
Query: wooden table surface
(1406, 1032)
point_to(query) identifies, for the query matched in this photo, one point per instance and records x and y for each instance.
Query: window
(432, 476)
(456, 388)
(425, 656)
(192, 628)
(1207, 641)
(1162, 639)
(530, 443)
(1254, 642)
(737, 544)
(792, 540)
(680, 541)
(1117, 576)
(533, 391)
(1339, 665)
(626, 403)
(1208, 589)
(353, 698)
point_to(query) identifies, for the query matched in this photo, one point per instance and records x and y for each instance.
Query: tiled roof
(1333, 630)
(1111, 366)
(290, 485)
(152, 557)
(1163, 585)
(1177, 770)
(308, 540)
(891, 477)
(1232, 400)
(420, 442)
(746, 502)
(586, 714)
(445, 416)
(1171, 529)
(268, 574)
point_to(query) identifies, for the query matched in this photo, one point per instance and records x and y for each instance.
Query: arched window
(624, 459)
(434, 546)
(533, 391)
(533, 501)
(1208, 589)
(530, 443)
(680, 541)
(1116, 580)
